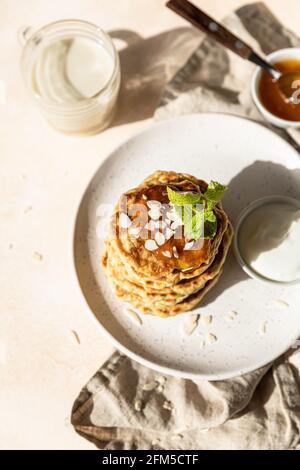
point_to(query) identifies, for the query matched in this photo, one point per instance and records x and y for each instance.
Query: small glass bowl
(241, 218)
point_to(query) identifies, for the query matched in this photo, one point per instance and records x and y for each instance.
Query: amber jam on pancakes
(180, 258)
(271, 96)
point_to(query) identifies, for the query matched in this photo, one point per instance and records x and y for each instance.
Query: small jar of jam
(267, 95)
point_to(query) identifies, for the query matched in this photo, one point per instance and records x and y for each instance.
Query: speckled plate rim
(123, 349)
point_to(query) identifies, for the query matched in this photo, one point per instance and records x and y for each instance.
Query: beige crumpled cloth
(260, 410)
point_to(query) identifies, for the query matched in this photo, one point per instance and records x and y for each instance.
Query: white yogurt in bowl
(267, 240)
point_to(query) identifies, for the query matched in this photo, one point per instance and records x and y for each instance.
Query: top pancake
(153, 266)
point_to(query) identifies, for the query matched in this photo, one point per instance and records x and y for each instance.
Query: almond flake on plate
(125, 221)
(134, 316)
(206, 319)
(211, 338)
(151, 245)
(280, 303)
(189, 324)
(167, 254)
(231, 315)
(263, 328)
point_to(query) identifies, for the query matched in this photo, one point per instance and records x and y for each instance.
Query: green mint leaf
(202, 224)
(214, 194)
(209, 216)
(198, 222)
(182, 199)
(210, 224)
(194, 223)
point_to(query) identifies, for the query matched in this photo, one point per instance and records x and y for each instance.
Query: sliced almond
(176, 436)
(189, 245)
(231, 316)
(37, 256)
(137, 405)
(206, 319)
(151, 245)
(125, 221)
(134, 231)
(151, 225)
(27, 209)
(211, 338)
(175, 252)
(160, 239)
(171, 215)
(166, 253)
(189, 324)
(144, 197)
(154, 214)
(280, 303)
(169, 233)
(168, 405)
(263, 328)
(175, 225)
(134, 317)
(161, 224)
(154, 204)
(161, 379)
(74, 336)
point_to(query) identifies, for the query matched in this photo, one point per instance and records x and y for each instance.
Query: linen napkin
(127, 406)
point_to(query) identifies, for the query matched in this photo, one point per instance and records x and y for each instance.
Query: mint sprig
(198, 216)
(214, 193)
(182, 199)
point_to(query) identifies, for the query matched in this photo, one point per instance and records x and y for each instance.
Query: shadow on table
(257, 180)
(147, 65)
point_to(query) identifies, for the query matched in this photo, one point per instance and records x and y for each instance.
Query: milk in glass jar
(72, 70)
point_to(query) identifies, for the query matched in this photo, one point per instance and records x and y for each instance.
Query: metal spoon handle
(207, 24)
(218, 32)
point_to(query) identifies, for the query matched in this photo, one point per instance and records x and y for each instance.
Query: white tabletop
(43, 175)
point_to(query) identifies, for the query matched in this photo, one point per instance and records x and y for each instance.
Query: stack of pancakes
(158, 273)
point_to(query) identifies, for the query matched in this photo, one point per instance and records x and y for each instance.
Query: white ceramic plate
(254, 162)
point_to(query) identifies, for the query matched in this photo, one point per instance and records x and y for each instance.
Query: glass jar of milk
(72, 70)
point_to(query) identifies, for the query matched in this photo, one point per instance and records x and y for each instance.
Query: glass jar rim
(56, 26)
